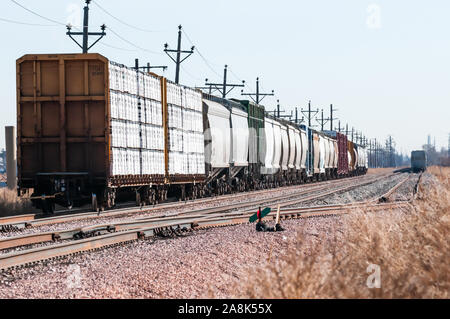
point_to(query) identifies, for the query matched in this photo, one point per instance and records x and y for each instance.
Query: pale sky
(383, 64)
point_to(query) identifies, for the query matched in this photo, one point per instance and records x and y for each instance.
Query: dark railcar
(343, 154)
(418, 161)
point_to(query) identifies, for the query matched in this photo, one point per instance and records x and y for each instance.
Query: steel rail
(16, 219)
(416, 187)
(219, 211)
(295, 213)
(30, 256)
(385, 197)
(312, 194)
(31, 221)
(62, 216)
(318, 209)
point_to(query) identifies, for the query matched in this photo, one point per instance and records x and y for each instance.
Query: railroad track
(98, 236)
(141, 222)
(30, 220)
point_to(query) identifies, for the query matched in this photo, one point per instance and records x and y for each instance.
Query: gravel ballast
(201, 264)
(169, 211)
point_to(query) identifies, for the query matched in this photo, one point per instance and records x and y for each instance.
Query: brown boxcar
(353, 157)
(62, 123)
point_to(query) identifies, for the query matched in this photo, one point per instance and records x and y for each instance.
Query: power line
(37, 14)
(131, 43)
(239, 79)
(117, 48)
(109, 29)
(26, 23)
(201, 55)
(190, 74)
(121, 21)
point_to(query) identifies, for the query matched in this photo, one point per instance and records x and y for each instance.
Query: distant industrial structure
(2, 161)
(435, 157)
(2, 168)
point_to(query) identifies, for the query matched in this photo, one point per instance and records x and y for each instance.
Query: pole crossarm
(148, 67)
(309, 114)
(222, 87)
(178, 60)
(85, 46)
(258, 95)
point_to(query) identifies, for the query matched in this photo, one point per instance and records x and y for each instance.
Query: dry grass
(11, 204)
(411, 247)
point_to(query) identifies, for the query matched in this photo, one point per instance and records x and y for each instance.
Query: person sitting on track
(262, 226)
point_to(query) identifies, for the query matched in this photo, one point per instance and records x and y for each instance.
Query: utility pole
(376, 159)
(322, 121)
(346, 132)
(359, 137)
(278, 111)
(297, 120)
(147, 68)
(391, 151)
(150, 67)
(222, 88)
(258, 95)
(85, 47)
(339, 127)
(356, 136)
(178, 51)
(331, 116)
(309, 112)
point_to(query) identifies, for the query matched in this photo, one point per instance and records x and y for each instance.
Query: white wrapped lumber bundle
(185, 121)
(137, 135)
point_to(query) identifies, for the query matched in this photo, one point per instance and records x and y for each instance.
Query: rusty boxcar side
(62, 117)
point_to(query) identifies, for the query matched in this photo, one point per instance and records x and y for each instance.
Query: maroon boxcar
(342, 154)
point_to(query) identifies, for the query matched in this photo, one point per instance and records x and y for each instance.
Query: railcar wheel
(138, 198)
(49, 206)
(94, 203)
(183, 193)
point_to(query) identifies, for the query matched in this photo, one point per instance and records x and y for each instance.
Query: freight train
(94, 131)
